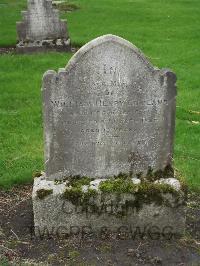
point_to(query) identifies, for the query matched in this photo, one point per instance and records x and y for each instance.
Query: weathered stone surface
(108, 111)
(41, 27)
(170, 181)
(56, 215)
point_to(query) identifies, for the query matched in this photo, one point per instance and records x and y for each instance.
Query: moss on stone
(151, 175)
(123, 176)
(152, 188)
(42, 193)
(73, 194)
(74, 191)
(151, 192)
(77, 196)
(167, 172)
(127, 186)
(37, 174)
(117, 185)
(78, 181)
(144, 193)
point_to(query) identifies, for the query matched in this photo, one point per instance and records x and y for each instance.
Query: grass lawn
(167, 31)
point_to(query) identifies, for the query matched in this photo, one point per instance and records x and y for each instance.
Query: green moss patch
(146, 192)
(151, 192)
(118, 185)
(74, 191)
(127, 186)
(77, 196)
(78, 181)
(117, 188)
(42, 193)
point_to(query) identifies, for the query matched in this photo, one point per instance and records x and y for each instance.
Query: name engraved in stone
(104, 130)
(106, 103)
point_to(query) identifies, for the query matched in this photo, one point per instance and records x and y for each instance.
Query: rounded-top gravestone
(108, 112)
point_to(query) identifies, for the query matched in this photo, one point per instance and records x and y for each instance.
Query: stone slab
(108, 112)
(42, 49)
(55, 215)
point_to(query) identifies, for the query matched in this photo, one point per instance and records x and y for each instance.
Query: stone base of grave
(59, 45)
(54, 214)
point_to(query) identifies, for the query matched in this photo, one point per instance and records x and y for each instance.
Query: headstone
(109, 117)
(108, 112)
(41, 28)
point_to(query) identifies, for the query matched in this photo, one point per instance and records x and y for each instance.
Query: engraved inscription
(105, 103)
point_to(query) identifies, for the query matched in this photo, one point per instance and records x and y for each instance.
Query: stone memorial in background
(109, 120)
(41, 29)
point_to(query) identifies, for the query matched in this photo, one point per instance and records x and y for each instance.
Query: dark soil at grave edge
(7, 50)
(19, 247)
(12, 50)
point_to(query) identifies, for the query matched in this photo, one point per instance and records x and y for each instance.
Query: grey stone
(170, 181)
(41, 28)
(108, 112)
(56, 215)
(95, 183)
(59, 42)
(85, 188)
(136, 181)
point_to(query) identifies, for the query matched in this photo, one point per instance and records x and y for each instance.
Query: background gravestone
(41, 28)
(109, 112)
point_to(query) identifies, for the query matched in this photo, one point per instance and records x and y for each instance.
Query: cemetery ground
(19, 245)
(166, 31)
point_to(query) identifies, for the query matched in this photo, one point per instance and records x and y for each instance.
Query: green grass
(21, 141)
(167, 31)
